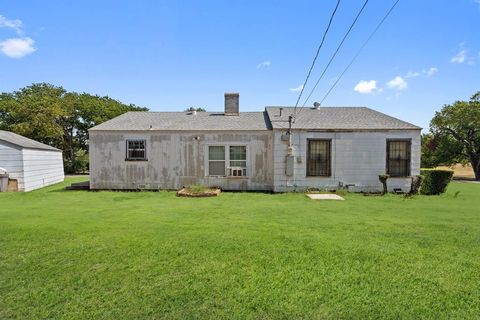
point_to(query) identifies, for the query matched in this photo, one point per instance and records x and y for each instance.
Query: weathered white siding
(176, 159)
(32, 168)
(11, 158)
(357, 159)
(41, 168)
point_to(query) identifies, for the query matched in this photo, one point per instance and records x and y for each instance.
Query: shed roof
(336, 118)
(24, 142)
(186, 121)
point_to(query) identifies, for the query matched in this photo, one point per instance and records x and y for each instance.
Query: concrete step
(84, 185)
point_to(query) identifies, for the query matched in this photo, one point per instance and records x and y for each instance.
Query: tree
(459, 123)
(33, 112)
(440, 150)
(52, 115)
(198, 109)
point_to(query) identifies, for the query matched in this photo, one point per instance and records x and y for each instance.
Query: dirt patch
(461, 171)
(198, 192)
(324, 196)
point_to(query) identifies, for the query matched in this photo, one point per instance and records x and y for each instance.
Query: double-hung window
(229, 160)
(216, 160)
(136, 149)
(238, 161)
(319, 162)
(398, 158)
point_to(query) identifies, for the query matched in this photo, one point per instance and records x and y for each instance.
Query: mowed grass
(149, 255)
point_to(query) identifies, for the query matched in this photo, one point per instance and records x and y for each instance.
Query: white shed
(32, 164)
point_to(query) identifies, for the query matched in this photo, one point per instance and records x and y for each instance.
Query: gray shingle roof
(327, 118)
(173, 121)
(337, 118)
(24, 142)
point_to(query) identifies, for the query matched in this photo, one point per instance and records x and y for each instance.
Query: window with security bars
(136, 150)
(398, 158)
(319, 156)
(216, 161)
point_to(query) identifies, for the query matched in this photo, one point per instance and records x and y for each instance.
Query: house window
(398, 158)
(216, 160)
(136, 150)
(319, 158)
(238, 161)
(227, 161)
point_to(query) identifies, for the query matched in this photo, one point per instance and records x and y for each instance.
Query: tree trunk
(476, 169)
(475, 162)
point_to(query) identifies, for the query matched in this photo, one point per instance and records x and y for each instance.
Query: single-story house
(327, 147)
(29, 164)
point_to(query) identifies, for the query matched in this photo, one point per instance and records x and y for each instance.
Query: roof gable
(24, 142)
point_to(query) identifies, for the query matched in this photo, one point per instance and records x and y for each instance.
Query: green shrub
(435, 181)
(416, 183)
(79, 163)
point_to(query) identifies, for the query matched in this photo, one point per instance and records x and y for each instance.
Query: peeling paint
(175, 159)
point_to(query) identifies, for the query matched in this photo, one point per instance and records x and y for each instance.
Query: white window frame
(227, 159)
(127, 158)
(224, 160)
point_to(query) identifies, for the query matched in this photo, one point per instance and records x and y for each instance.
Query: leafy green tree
(459, 125)
(198, 109)
(52, 115)
(33, 112)
(440, 150)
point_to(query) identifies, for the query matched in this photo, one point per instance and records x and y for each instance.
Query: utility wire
(335, 53)
(359, 51)
(316, 55)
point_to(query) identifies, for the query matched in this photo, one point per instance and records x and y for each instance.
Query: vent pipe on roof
(281, 111)
(232, 104)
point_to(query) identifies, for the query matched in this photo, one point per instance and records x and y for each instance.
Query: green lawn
(120, 255)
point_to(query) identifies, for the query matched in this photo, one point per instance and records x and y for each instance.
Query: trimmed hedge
(435, 181)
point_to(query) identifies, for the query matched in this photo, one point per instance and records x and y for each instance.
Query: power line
(335, 53)
(360, 50)
(318, 51)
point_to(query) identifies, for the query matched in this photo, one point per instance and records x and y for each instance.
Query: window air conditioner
(236, 172)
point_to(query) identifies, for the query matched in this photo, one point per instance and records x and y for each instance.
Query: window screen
(319, 158)
(216, 160)
(398, 158)
(136, 150)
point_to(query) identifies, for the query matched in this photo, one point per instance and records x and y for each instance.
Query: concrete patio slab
(325, 197)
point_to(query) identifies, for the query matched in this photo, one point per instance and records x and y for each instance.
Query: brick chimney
(232, 104)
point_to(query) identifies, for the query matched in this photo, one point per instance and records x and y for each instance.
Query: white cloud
(412, 74)
(296, 89)
(397, 83)
(11, 24)
(425, 72)
(17, 47)
(430, 72)
(460, 57)
(264, 64)
(366, 87)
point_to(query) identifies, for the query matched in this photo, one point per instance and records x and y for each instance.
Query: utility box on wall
(289, 165)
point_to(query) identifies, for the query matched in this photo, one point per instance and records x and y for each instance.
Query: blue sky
(170, 55)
